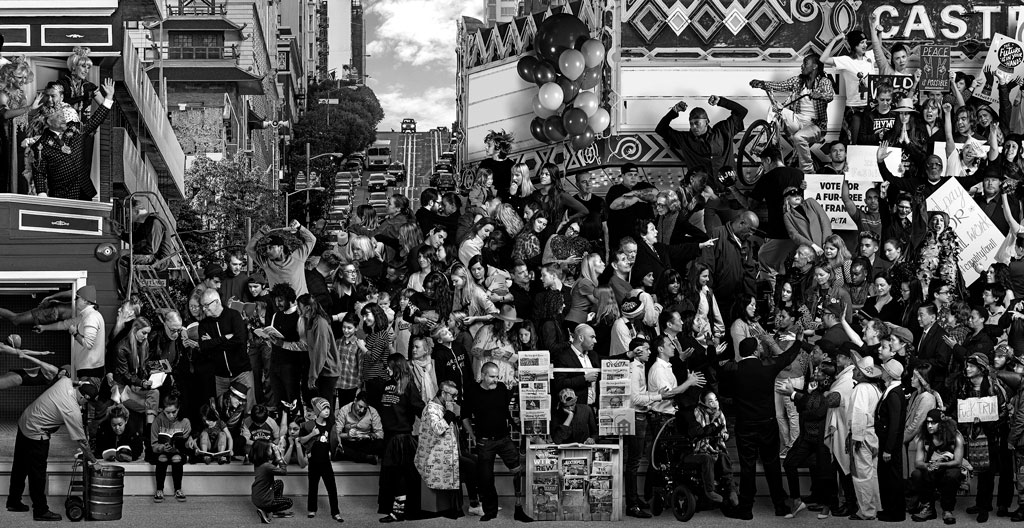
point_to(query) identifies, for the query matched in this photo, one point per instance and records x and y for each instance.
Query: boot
(927, 513)
(1018, 514)
(397, 511)
(521, 515)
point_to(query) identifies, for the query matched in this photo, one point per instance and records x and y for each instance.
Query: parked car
(378, 181)
(355, 166)
(379, 201)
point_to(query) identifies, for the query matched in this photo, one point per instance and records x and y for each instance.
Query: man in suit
(60, 172)
(579, 353)
(890, 415)
(932, 347)
(757, 430)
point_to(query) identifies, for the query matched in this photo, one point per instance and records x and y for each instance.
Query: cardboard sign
(862, 162)
(935, 68)
(985, 409)
(900, 84)
(826, 189)
(979, 237)
(1006, 55)
(939, 149)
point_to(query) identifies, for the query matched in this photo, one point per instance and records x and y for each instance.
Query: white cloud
(419, 32)
(430, 108)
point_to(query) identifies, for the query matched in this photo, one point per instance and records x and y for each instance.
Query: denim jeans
(487, 449)
(636, 448)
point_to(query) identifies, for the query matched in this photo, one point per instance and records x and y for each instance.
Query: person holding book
(119, 440)
(215, 442)
(172, 442)
(288, 354)
(268, 492)
(359, 430)
(132, 384)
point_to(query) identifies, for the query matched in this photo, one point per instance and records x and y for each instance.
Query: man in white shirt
(579, 354)
(88, 348)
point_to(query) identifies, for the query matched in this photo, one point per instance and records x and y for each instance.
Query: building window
(190, 45)
(508, 11)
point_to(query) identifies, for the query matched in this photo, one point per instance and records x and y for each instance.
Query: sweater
(290, 270)
(324, 356)
(263, 485)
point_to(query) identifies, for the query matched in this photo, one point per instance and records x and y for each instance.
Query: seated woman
(574, 423)
(131, 377)
(940, 455)
(119, 440)
(215, 442)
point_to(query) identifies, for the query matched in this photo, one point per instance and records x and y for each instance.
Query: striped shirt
(378, 346)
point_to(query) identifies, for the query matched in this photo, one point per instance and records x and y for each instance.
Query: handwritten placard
(985, 409)
(827, 189)
(862, 162)
(900, 84)
(935, 68)
(979, 237)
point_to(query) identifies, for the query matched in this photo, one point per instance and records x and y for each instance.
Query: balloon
(569, 88)
(553, 128)
(526, 66)
(575, 121)
(584, 140)
(593, 52)
(599, 121)
(571, 64)
(550, 96)
(537, 129)
(558, 33)
(544, 73)
(591, 78)
(539, 109)
(588, 102)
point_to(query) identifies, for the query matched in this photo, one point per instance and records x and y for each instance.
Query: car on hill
(378, 181)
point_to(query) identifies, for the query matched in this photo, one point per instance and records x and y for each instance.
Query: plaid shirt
(349, 364)
(821, 96)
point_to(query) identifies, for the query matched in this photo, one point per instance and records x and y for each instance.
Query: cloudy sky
(412, 63)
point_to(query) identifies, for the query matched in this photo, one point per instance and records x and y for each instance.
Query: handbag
(977, 451)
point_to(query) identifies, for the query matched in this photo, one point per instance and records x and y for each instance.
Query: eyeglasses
(349, 272)
(204, 305)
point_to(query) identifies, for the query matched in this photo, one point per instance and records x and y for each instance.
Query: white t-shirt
(850, 67)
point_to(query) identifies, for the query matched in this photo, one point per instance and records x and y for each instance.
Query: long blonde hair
(587, 269)
(521, 178)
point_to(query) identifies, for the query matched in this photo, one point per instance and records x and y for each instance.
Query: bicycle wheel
(758, 135)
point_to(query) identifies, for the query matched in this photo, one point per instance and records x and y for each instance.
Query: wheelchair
(682, 486)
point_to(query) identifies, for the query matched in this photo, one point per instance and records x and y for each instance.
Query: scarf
(425, 377)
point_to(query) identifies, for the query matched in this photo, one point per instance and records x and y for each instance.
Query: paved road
(238, 511)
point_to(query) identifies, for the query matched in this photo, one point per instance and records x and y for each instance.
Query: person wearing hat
(978, 382)
(805, 219)
(573, 422)
(628, 201)
(890, 415)
(213, 275)
(990, 200)
(838, 425)
(277, 263)
(807, 120)
(704, 145)
(88, 333)
(61, 404)
(60, 163)
(901, 342)
(861, 414)
(627, 326)
(318, 437)
(836, 152)
(855, 69)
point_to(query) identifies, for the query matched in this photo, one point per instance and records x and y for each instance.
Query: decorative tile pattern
(649, 20)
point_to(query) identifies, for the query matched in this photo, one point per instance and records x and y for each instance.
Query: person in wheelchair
(709, 435)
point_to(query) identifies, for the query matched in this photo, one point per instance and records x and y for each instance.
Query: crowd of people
(397, 344)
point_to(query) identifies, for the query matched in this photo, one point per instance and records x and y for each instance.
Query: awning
(195, 71)
(199, 23)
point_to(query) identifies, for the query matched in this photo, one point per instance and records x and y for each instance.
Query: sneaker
(825, 513)
(337, 517)
(948, 517)
(798, 506)
(477, 510)
(264, 518)
(488, 516)
(179, 496)
(158, 496)
(310, 515)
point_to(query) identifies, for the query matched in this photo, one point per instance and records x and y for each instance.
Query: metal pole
(307, 208)
(248, 236)
(307, 164)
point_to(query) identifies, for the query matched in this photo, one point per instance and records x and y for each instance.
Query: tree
(221, 196)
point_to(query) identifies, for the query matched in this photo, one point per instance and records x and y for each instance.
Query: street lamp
(288, 197)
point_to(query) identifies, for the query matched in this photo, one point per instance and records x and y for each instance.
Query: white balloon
(550, 95)
(599, 121)
(588, 102)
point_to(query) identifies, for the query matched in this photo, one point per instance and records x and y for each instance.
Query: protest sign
(1005, 55)
(935, 68)
(979, 237)
(939, 149)
(862, 162)
(826, 189)
(985, 409)
(900, 83)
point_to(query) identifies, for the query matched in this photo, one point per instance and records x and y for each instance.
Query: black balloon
(544, 73)
(526, 66)
(537, 129)
(575, 121)
(584, 140)
(558, 33)
(569, 88)
(553, 128)
(591, 77)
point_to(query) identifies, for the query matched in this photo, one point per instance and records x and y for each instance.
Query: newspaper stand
(592, 502)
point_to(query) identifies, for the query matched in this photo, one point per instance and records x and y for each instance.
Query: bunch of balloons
(567, 64)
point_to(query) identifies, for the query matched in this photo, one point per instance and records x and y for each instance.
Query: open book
(268, 332)
(214, 455)
(157, 379)
(247, 309)
(192, 332)
(112, 453)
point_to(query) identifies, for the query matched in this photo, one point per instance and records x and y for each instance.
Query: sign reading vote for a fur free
(826, 189)
(984, 409)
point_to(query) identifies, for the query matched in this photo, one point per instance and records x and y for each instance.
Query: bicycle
(759, 135)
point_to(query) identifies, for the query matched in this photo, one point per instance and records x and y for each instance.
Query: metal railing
(183, 9)
(223, 52)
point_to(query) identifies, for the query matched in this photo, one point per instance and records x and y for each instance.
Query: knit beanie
(320, 404)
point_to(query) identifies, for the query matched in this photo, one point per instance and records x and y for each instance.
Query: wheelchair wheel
(74, 507)
(758, 135)
(683, 503)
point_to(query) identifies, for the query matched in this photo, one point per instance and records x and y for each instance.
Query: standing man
(890, 416)
(864, 441)
(234, 284)
(579, 354)
(621, 269)
(837, 427)
(731, 259)
(89, 345)
(757, 430)
(869, 218)
(628, 201)
(278, 265)
(485, 416)
(222, 339)
(703, 145)
(319, 279)
(778, 177)
(61, 404)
